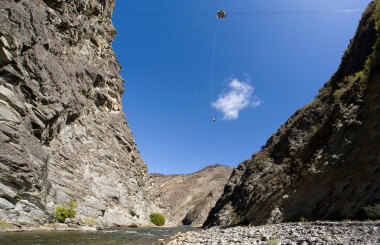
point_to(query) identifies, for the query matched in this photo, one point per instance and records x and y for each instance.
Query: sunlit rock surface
(63, 135)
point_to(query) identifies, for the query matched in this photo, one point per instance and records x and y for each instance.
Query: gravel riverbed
(287, 233)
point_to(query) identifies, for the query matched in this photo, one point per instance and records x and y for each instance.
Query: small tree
(62, 212)
(71, 206)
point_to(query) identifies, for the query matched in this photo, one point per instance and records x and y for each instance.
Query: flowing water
(113, 236)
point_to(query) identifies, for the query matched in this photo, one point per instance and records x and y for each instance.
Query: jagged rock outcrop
(63, 135)
(198, 214)
(190, 197)
(324, 162)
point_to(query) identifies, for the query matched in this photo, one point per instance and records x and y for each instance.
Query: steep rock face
(63, 135)
(190, 197)
(324, 162)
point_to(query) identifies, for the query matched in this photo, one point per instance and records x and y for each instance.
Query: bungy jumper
(221, 14)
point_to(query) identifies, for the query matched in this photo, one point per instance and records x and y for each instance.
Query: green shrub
(88, 221)
(236, 220)
(157, 219)
(19, 198)
(372, 212)
(71, 206)
(62, 212)
(314, 130)
(303, 219)
(5, 225)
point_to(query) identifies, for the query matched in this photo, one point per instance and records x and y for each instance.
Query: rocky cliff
(190, 197)
(63, 135)
(324, 162)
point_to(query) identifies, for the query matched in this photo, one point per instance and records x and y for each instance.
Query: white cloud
(237, 97)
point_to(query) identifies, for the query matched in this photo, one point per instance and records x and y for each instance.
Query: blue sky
(271, 58)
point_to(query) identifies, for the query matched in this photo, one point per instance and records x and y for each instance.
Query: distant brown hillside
(190, 197)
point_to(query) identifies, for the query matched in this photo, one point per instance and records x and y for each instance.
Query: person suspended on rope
(221, 14)
(213, 119)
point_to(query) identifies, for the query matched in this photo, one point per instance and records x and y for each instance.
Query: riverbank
(49, 227)
(120, 236)
(287, 233)
(71, 226)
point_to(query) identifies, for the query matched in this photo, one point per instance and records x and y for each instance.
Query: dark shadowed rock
(324, 162)
(198, 214)
(63, 135)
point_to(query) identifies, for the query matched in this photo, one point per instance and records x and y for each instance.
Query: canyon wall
(324, 162)
(63, 135)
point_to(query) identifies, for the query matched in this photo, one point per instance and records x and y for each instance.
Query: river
(111, 236)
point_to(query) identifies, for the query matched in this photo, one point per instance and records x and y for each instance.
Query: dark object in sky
(221, 14)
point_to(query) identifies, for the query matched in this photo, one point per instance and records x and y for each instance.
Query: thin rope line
(278, 12)
(212, 67)
(292, 12)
